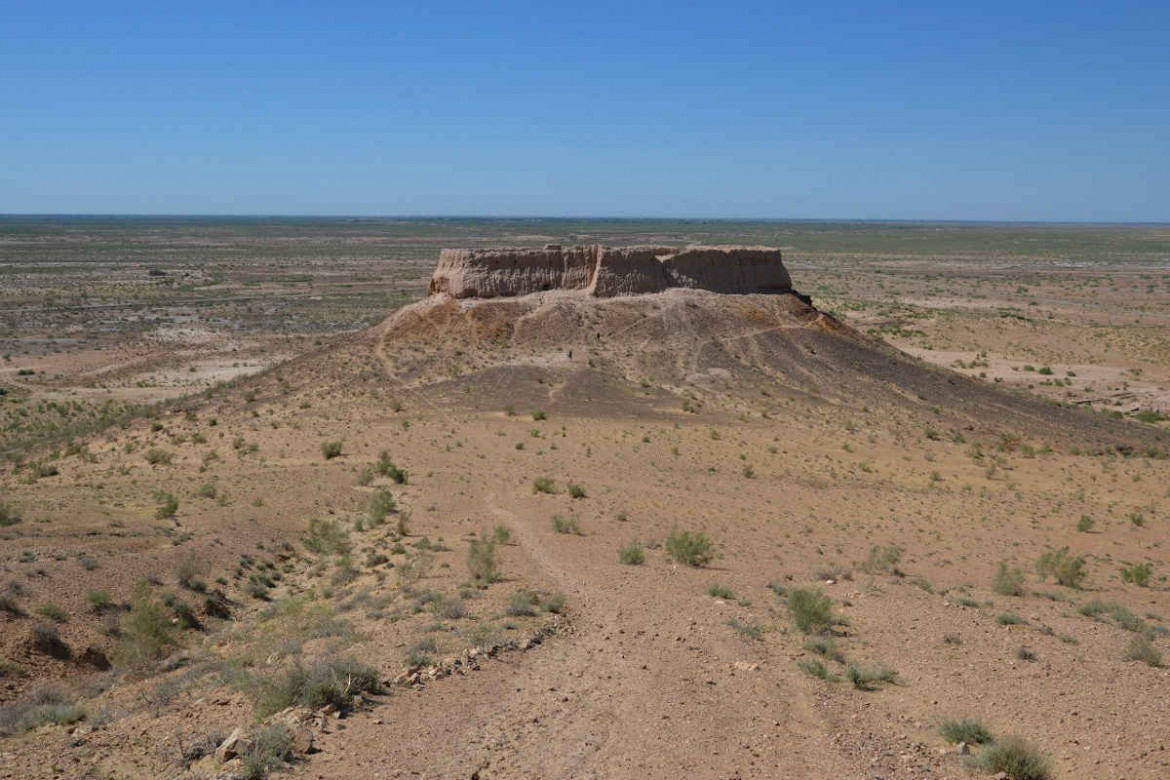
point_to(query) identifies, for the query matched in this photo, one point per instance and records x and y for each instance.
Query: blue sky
(1020, 110)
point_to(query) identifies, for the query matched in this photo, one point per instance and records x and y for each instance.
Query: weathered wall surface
(608, 271)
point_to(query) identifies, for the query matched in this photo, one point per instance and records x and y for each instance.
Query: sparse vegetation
(1142, 649)
(689, 549)
(812, 610)
(632, 554)
(968, 730)
(1008, 581)
(1017, 759)
(481, 561)
(331, 449)
(1063, 566)
(544, 485)
(867, 678)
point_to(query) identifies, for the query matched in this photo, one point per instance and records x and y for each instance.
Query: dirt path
(642, 687)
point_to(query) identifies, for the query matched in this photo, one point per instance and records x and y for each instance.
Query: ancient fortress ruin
(606, 271)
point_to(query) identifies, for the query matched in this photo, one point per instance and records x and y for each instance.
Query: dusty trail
(637, 689)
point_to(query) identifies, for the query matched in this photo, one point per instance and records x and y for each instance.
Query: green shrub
(816, 668)
(883, 559)
(565, 525)
(825, 647)
(501, 534)
(326, 537)
(326, 682)
(1067, 569)
(386, 468)
(689, 549)
(539, 415)
(576, 491)
(481, 561)
(1139, 574)
(381, 504)
(1010, 619)
(46, 639)
(157, 457)
(269, 749)
(168, 505)
(867, 678)
(720, 592)
(812, 610)
(1015, 758)
(544, 485)
(966, 730)
(9, 514)
(147, 632)
(331, 449)
(1008, 581)
(1085, 524)
(99, 600)
(1122, 616)
(748, 630)
(53, 612)
(632, 554)
(1141, 649)
(523, 604)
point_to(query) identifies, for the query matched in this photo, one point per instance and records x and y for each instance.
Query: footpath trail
(636, 689)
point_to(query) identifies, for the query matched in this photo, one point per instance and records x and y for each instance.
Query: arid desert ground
(269, 510)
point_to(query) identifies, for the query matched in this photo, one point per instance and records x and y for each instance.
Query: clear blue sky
(1002, 110)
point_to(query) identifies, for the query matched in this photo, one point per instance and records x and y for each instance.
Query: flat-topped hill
(606, 272)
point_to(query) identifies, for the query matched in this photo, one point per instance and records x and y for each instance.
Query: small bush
(632, 554)
(45, 638)
(147, 632)
(867, 678)
(539, 415)
(1067, 569)
(53, 612)
(9, 514)
(1010, 619)
(689, 549)
(566, 525)
(270, 747)
(481, 561)
(333, 681)
(157, 457)
(1085, 524)
(168, 505)
(576, 491)
(747, 630)
(99, 600)
(544, 485)
(421, 653)
(501, 534)
(966, 730)
(523, 604)
(1139, 574)
(812, 610)
(883, 559)
(1017, 759)
(827, 648)
(1141, 649)
(386, 468)
(326, 537)
(188, 570)
(331, 449)
(380, 505)
(718, 591)
(816, 668)
(1008, 581)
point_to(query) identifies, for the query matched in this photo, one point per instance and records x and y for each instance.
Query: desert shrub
(1142, 649)
(168, 505)
(1063, 566)
(1008, 581)
(326, 537)
(46, 706)
(814, 667)
(883, 559)
(812, 610)
(53, 612)
(481, 560)
(747, 630)
(381, 504)
(9, 604)
(968, 730)
(689, 549)
(825, 647)
(9, 514)
(271, 746)
(501, 534)
(421, 653)
(329, 681)
(146, 633)
(1025, 653)
(1139, 574)
(1085, 524)
(544, 485)
(632, 554)
(564, 525)
(539, 414)
(157, 457)
(386, 468)
(867, 678)
(330, 449)
(554, 603)
(523, 604)
(576, 491)
(1009, 619)
(365, 477)
(719, 591)
(1122, 616)
(45, 638)
(99, 600)
(1017, 759)
(187, 571)
(450, 608)
(832, 571)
